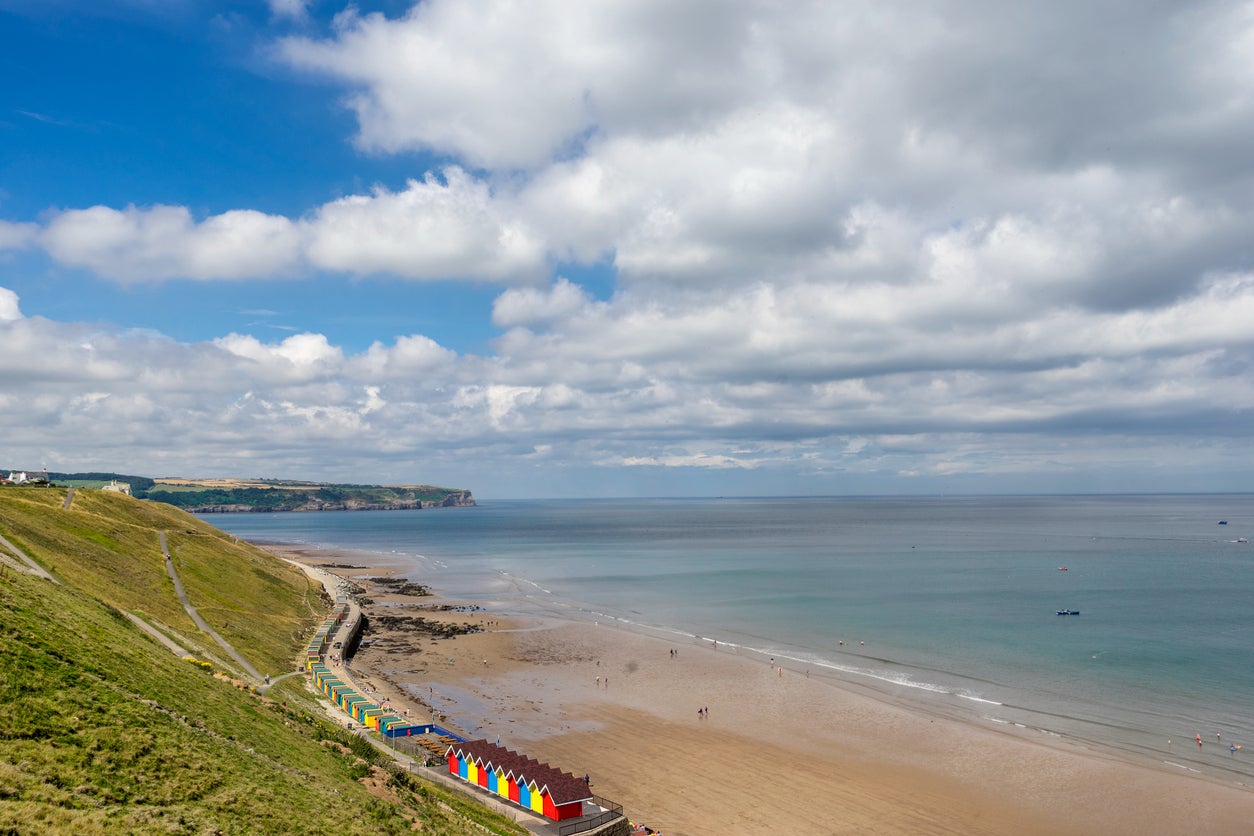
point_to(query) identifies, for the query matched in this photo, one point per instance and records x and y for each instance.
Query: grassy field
(104, 730)
(174, 484)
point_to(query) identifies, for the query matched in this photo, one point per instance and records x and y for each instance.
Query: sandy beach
(781, 750)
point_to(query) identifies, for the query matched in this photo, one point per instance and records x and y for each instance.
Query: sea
(949, 604)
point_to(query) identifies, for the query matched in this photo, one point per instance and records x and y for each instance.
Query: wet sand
(781, 750)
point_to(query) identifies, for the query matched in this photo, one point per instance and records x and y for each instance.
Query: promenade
(395, 747)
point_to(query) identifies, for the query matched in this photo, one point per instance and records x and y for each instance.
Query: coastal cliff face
(455, 499)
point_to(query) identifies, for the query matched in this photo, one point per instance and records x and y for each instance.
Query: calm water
(955, 598)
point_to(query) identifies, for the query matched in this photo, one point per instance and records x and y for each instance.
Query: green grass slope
(105, 730)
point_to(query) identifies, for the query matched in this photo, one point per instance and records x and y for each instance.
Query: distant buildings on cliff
(21, 477)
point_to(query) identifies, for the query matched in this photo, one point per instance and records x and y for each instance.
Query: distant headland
(228, 495)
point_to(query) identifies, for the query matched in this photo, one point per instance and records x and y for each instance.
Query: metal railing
(612, 811)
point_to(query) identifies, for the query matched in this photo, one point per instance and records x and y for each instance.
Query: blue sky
(630, 248)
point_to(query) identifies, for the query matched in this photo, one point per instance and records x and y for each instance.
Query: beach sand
(781, 750)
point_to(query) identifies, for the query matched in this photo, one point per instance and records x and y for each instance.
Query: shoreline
(816, 751)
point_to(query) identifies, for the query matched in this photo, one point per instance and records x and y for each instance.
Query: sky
(623, 248)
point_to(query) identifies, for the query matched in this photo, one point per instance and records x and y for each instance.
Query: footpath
(195, 616)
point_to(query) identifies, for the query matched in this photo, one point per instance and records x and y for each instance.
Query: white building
(115, 485)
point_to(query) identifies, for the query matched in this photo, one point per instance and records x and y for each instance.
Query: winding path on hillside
(170, 643)
(200, 622)
(31, 567)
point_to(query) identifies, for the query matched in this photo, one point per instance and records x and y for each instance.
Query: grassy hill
(105, 730)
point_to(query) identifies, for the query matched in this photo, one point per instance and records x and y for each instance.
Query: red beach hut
(558, 795)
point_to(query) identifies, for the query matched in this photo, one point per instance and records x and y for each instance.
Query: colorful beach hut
(528, 783)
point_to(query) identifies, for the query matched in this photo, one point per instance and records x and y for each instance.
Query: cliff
(455, 499)
(217, 496)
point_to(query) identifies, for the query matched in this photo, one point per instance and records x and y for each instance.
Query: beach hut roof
(562, 787)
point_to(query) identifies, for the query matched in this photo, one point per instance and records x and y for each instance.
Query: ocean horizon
(948, 604)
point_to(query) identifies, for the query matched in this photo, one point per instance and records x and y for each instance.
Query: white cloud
(289, 9)
(785, 377)
(506, 85)
(436, 228)
(431, 230)
(143, 244)
(411, 356)
(532, 306)
(699, 460)
(9, 310)
(16, 236)
(932, 239)
(301, 357)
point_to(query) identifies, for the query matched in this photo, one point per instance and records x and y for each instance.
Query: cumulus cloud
(533, 306)
(300, 357)
(713, 143)
(137, 244)
(9, 309)
(431, 230)
(929, 240)
(449, 226)
(505, 85)
(779, 378)
(410, 357)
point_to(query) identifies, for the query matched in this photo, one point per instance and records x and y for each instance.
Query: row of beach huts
(344, 694)
(510, 776)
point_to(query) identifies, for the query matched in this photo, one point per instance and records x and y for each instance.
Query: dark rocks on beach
(401, 586)
(423, 626)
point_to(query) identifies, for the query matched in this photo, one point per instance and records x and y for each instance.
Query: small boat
(1068, 612)
(1062, 568)
(1223, 522)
